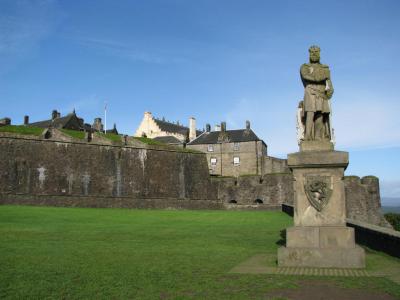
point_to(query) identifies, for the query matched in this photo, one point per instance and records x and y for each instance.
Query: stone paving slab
(258, 264)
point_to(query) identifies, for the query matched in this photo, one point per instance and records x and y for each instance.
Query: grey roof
(168, 140)
(230, 136)
(174, 128)
(60, 122)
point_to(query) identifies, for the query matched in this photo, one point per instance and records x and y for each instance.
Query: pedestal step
(322, 257)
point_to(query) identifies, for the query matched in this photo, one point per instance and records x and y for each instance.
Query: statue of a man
(318, 89)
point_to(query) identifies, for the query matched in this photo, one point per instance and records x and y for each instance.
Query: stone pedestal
(320, 237)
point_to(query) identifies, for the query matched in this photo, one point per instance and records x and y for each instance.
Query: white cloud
(129, 51)
(23, 26)
(90, 103)
(364, 121)
(367, 121)
(272, 122)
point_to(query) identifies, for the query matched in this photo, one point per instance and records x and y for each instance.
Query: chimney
(208, 127)
(148, 115)
(223, 126)
(192, 128)
(54, 114)
(58, 114)
(247, 125)
(97, 125)
(26, 120)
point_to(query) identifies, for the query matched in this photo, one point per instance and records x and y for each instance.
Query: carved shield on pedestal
(318, 190)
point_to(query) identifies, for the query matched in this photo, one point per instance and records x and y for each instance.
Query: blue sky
(214, 60)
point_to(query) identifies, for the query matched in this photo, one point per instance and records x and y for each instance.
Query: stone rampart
(66, 173)
(62, 171)
(363, 201)
(268, 190)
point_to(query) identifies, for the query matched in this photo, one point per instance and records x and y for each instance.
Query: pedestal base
(316, 146)
(321, 257)
(321, 247)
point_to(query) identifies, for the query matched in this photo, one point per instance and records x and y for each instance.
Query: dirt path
(322, 290)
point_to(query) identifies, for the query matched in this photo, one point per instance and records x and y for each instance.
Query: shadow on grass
(282, 240)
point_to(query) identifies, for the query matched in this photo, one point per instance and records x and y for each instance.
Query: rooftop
(230, 136)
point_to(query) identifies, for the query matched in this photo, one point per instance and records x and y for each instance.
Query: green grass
(111, 136)
(22, 129)
(75, 253)
(149, 141)
(74, 133)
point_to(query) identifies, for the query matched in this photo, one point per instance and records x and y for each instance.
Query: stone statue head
(314, 54)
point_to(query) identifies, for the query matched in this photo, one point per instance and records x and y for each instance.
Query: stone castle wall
(363, 201)
(67, 171)
(270, 189)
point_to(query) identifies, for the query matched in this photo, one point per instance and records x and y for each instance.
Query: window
(213, 161)
(236, 160)
(236, 146)
(210, 148)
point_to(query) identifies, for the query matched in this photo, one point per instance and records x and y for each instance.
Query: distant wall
(363, 201)
(63, 171)
(275, 165)
(271, 189)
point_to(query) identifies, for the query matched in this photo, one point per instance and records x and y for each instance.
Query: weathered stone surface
(314, 159)
(318, 90)
(320, 237)
(322, 257)
(363, 201)
(45, 167)
(316, 146)
(271, 189)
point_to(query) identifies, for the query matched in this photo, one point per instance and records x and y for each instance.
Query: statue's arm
(329, 88)
(306, 73)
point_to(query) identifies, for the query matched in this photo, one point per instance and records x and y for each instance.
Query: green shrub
(394, 220)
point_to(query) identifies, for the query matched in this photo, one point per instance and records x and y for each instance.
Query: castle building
(167, 132)
(232, 152)
(70, 121)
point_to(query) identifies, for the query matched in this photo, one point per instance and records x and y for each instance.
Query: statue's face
(314, 56)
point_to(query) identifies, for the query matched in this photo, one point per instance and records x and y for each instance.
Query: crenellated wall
(363, 202)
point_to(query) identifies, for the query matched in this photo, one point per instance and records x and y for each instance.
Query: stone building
(70, 121)
(167, 132)
(236, 152)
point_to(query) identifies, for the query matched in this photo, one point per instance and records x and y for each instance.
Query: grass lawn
(74, 133)
(111, 136)
(74, 253)
(22, 129)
